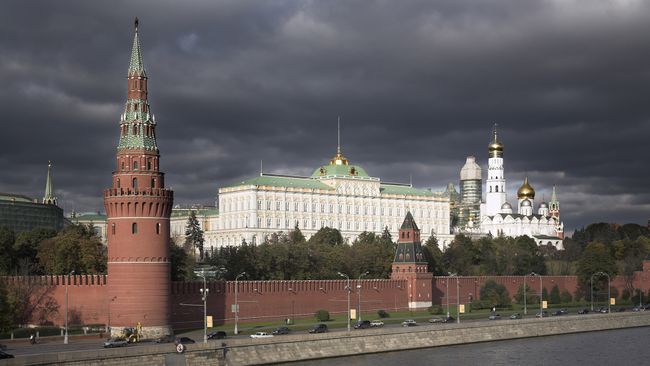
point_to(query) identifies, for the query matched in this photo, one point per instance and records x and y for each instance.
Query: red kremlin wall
(274, 300)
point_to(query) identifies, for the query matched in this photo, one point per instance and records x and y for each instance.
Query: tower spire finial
(136, 66)
(338, 134)
(48, 197)
(494, 132)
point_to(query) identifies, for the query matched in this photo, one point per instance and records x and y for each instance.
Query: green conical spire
(136, 66)
(49, 198)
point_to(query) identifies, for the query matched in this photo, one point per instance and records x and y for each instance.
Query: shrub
(383, 314)
(625, 295)
(566, 297)
(554, 297)
(435, 309)
(322, 315)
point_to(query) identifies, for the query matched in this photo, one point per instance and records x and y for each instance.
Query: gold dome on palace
(339, 159)
(526, 191)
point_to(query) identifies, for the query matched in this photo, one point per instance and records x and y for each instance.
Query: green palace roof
(203, 211)
(283, 181)
(340, 171)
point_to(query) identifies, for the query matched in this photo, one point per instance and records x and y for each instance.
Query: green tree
(433, 255)
(531, 295)
(194, 234)
(459, 256)
(372, 254)
(554, 297)
(7, 240)
(181, 263)
(74, 248)
(595, 258)
(494, 295)
(26, 249)
(566, 297)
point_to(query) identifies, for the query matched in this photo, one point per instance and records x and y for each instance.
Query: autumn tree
(74, 248)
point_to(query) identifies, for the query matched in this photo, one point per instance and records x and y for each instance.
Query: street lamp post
(348, 287)
(541, 297)
(236, 303)
(447, 290)
(591, 283)
(65, 337)
(359, 293)
(204, 273)
(532, 274)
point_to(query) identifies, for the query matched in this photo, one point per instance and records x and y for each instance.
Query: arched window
(490, 188)
(157, 228)
(149, 164)
(113, 229)
(135, 165)
(134, 228)
(497, 188)
(122, 165)
(153, 182)
(118, 182)
(135, 184)
(408, 234)
(135, 130)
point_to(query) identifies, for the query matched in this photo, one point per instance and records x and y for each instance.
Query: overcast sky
(418, 86)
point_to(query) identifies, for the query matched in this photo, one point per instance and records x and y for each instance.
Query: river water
(612, 347)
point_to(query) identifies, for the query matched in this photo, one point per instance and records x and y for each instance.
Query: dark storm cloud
(418, 85)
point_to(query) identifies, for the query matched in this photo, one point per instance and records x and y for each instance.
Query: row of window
(134, 228)
(136, 165)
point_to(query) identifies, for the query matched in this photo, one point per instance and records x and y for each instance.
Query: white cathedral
(497, 216)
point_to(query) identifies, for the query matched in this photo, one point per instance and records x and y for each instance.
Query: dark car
(319, 328)
(5, 355)
(166, 339)
(281, 330)
(184, 340)
(364, 324)
(620, 310)
(603, 310)
(583, 311)
(560, 312)
(217, 335)
(449, 319)
(543, 314)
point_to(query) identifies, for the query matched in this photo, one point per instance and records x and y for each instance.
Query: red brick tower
(138, 207)
(410, 264)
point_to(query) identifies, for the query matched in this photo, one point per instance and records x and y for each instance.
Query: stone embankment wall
(303, 347)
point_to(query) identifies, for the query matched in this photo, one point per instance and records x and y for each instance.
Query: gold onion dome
(495, 148)
(526, 190)
(339, 159)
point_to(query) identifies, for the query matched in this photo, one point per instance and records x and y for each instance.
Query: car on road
(281, 330)
(115, 342)
(166, 339)
(261, 335)
(318, 328)
(436, 320)
(494, 317)
(583, 311)
(409, 323)
(364, 324)
(184, 340)
(543, 314)
(560, 312)
(220, 334)
(376, 323)
(449, 319)
(603, 310)
(4, 355)
(515, 316)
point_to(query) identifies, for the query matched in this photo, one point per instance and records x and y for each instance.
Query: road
(55, 344)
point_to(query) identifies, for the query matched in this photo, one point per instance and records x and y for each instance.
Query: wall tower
(138, 207)
(496, 182)
(410, 264)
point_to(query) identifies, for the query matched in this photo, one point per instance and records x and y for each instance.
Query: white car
(261, 335)
(376, 323)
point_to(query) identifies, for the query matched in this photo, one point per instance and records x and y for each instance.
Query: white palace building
(336, 195)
